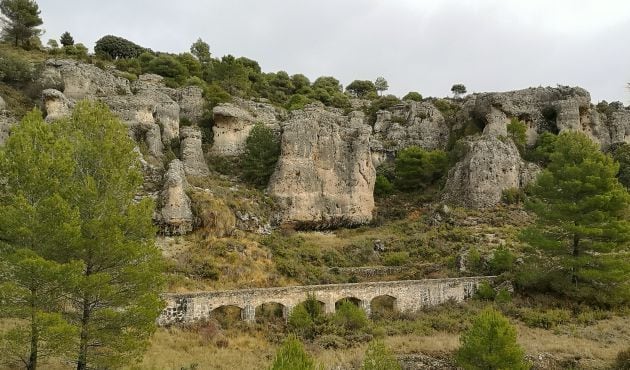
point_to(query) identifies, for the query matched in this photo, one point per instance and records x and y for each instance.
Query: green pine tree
(490, 344)
(20, 18)
(582, 225)
(292, 356)
(379, 357)
(66, 39)
(261, 154)
(417, 168)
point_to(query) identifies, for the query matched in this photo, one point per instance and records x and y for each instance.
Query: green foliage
(201, 50)
(66, 39)
(349, 316)
(20, 19)
(262, 150)
(381, 85)
(485, 292)
(622, 362)
(503, 297)
(621, 154)
(68, 195)
(502, 261)
(417, 168)
(298, 101)
(15, 69)
(292, 356)
(379, 357)
(517, 131)
(167, 66)
(474, 261)
(458, 89)
(546, 319)
(361, 88)
(512, 196)
(383, 186)
(413, 95)
(232, 75)
(490, 344)
(582, 227)
(117, 47)
(382, 103)
(300, 321)
(542, 150)
(396, 258)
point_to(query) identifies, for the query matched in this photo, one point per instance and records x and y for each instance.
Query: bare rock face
(191, 103)
(191, 152)
(6, 122)
(233, 122)
(488, 166)
(325, 176)
(175, 214)
(80, 80)
(55, 104)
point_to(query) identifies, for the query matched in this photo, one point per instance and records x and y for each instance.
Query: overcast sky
(425, 46)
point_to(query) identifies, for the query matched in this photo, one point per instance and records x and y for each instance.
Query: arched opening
(355, 301)
(270, 312)
(383, 306)
(226, 315)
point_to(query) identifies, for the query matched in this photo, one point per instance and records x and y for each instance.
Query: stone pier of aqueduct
(407, 295)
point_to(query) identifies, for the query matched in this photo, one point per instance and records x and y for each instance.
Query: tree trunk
(32, 359)
(575, 253)
(83, 344)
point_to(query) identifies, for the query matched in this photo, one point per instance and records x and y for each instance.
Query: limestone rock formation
(6, 121)
(191, 103)
(175, 215)
(233, 122)
(325, 176)
(55, 104)
(191, 152)
(488, 166)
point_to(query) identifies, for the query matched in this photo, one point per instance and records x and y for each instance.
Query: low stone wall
(409, 295)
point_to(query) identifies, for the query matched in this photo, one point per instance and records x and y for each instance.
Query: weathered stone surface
(325, 176)
(175, 214)
(409, 295)
(191, 103)
(80, 80)
(191, 152)
(488, 166)
(410, 123)
(619, 126)
(233, 122)
(55, 104)
(6, 122)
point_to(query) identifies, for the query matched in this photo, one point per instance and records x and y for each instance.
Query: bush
(396, 259)
(490, 344)
(541, 152)
(292, 356)
(623, 360)
(503, 297)
(169, 67)
(350, 317)
(300, 321)
(417, 168)
(512, 196)
(517, 131)
(413, 95)
(485, 292)
(262, 150)
(546, 319)
(14, 69)
(379, 357)
(297, 101)
(383, 186)
(502, 261)
(116, 47)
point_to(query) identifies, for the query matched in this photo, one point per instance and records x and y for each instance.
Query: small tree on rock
(66, 39)
(413, 95)
(490, 344)
(458, 90)
(20, 19)
(381, 85)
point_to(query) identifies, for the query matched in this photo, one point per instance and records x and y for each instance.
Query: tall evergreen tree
(66, 39)
(20, 18)
(582, 226)
(261, 154)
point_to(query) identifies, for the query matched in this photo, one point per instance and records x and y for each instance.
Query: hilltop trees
(20, 19)
(458, 90)
(582, 224)
(116, 47)
(201, 50)
(361, 88)
(66, 39)
(68, 197)
(381, 85)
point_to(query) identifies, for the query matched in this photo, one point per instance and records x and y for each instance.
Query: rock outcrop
(55, 104)
(191, 152)
(325, 176)
(488, 166)
(233, 122)
(175, 216)
(6, 122)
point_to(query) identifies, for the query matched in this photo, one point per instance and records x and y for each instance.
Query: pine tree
(261, 154)
(490, 344)
(379, 357)
(292, 356)
(381, 85)
(582, 225)
(66, 39)
(20, 18)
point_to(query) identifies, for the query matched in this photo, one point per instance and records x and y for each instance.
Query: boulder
(488, 165)
(55, 104)
(175, 214)
(325, 176)
(191, 152)
(233, 122)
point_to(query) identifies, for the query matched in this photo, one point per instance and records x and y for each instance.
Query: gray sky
(426, 46)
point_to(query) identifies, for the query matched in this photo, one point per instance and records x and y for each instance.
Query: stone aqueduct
(407, 295)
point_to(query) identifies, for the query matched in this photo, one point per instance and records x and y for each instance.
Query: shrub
(512, 196)
(383, 186)
(297, 101)
(503, 297)
(501, 261)
(546, 319)
(292, 356)
(379, 357)
(396, 258)
(117, 47)
(413, 95)
(517, 131)
(541, 152)
(623, 360)
(262, 150)
(474, 261)
(15, 69)
(417, 168)
(300, 321)
(485, 292)
(350, 317)
(490, 344)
